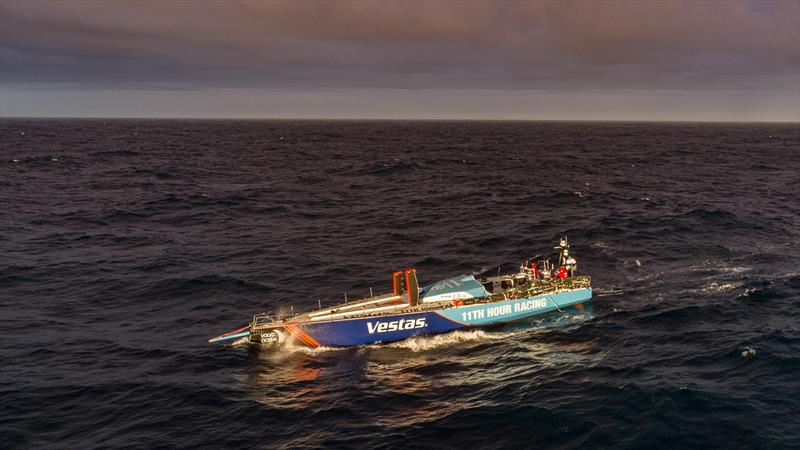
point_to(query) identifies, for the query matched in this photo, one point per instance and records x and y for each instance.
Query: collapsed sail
(462, 287)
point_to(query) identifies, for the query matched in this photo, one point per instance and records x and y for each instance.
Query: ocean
(126, 244)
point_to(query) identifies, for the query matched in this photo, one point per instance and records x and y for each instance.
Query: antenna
(563, 247)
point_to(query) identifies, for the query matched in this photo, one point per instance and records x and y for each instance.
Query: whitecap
(719, 287)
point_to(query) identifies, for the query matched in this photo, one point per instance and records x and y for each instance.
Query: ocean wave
(144, 238)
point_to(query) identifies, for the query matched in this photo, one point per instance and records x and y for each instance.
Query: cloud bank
(750, 50)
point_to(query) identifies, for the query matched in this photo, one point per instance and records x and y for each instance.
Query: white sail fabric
(462, 287)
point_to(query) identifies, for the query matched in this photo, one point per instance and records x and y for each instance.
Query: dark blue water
(124, 245)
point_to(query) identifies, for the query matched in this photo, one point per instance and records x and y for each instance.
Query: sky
(720, 60)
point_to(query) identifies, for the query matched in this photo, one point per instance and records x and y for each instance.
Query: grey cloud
(400, 44)
(751, 47)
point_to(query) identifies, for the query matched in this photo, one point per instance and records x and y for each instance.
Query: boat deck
(390, 304)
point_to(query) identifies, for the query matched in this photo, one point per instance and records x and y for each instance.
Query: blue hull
(389, 328)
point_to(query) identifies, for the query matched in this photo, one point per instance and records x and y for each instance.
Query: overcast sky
(642, 60)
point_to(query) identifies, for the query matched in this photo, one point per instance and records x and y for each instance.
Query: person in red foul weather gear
(562, 272)
(532, 267)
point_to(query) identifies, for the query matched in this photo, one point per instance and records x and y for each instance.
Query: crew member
(572, 266)
(531, 266)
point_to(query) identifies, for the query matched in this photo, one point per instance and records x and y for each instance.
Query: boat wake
(430, 342)
(415, 344)
(296, 347)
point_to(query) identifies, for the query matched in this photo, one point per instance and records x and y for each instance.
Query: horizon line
(388, 119)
